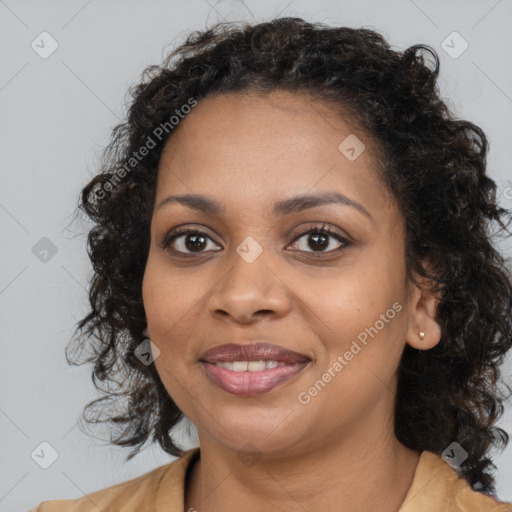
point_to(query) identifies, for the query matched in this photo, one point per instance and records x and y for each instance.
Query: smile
(250, 378)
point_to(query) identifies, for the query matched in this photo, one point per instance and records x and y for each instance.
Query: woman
(292, 249)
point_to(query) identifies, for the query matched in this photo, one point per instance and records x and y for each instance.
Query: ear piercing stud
(421, 335)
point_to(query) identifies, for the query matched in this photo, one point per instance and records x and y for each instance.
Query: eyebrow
(281, 208)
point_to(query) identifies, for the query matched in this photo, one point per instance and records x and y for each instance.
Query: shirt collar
(435, 486)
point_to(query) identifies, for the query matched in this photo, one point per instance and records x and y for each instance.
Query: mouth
(233, 352)
(249, 370)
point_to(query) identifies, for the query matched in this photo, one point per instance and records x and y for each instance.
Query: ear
(423, 302)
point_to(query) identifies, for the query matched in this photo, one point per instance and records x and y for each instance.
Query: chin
(257, 438)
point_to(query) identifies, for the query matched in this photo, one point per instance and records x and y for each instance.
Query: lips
(247, 384)
(229, 367)
(255, 352)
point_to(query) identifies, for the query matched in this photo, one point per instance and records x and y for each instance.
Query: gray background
(57, 114)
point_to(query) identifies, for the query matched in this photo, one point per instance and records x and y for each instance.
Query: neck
(358, 473)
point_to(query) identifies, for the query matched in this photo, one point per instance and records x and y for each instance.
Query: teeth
(240, 366)
(256, 366)
(249, 366)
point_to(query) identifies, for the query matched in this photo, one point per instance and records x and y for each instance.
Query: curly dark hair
(433, 163)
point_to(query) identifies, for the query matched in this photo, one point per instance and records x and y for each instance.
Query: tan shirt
(435, 488)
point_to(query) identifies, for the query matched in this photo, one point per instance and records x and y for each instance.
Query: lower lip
(251, 383)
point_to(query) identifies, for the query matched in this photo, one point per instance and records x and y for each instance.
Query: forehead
(244, 148)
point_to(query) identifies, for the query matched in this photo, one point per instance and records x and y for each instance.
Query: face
(248, 272)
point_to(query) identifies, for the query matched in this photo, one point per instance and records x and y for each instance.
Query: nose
(249, 291)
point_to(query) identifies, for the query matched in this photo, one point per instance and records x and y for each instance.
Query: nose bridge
(250, 284)
(250, 263)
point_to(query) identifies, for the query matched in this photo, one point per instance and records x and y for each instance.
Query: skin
(337, 452)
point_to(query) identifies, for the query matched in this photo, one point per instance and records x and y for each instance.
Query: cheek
(168, 296)
(360, 314)
(173, 301)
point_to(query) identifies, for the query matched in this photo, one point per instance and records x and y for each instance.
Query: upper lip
(253, 352)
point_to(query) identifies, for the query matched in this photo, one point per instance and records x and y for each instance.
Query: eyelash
(324, 230)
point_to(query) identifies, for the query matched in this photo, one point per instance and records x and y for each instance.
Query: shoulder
(466, 499)
(159, 489)
(437, 487)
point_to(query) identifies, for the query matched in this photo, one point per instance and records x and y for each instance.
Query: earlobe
(424, 332)
(425, 339)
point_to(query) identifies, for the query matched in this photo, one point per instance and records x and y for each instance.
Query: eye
(318, 241)
(186, 241)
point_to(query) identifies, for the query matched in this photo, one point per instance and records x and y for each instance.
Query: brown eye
(320, 240)
(187, 241)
